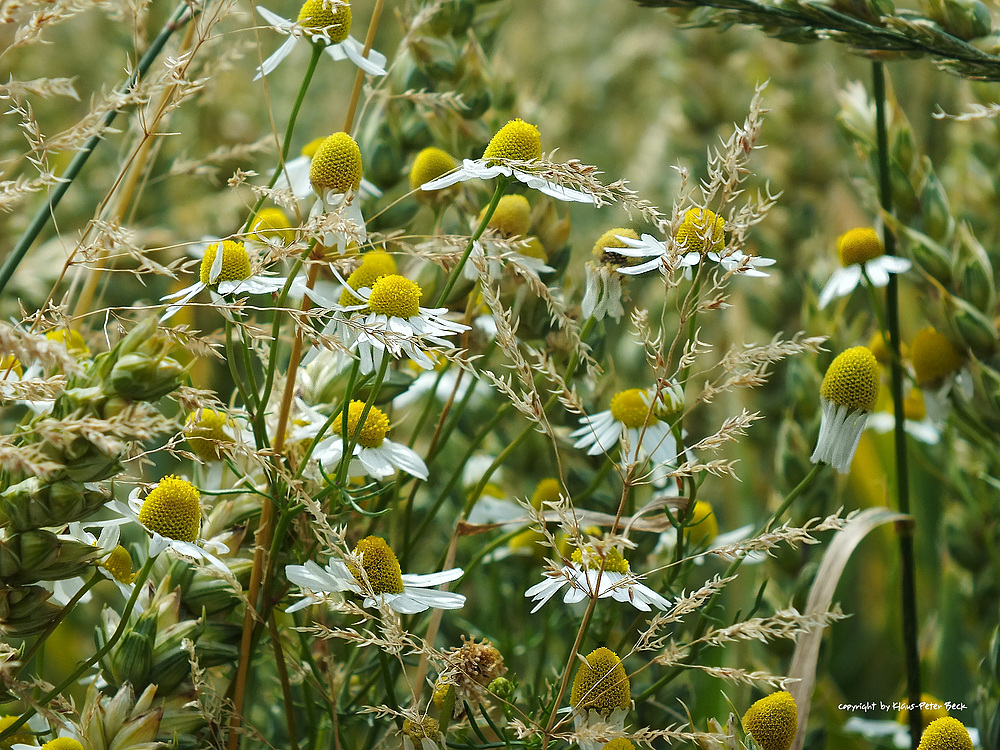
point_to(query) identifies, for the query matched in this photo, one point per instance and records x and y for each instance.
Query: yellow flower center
(235, 262)
(934, 357)
(20, 737)
(380, 565)
(927, 715)
(172, 509)
(425, 728)
(336, 165)
(204, 429)
(430, 164)
(630, 408)
(859, 245)
(547, 490)
(10, 363)
(852, 380)
(331, 16)
(512, 216)
(619, 743)
(272, 224)
(71, 339)
(395, 296)
(312, 147)
(119, 565)
(945, 734)
(373, 431)
(603, 247)
(374, 264)
(63, 743)
(613, 560)
(534, 249)
(915, 409)
(703, 526)
(515, 140)
(698, 225)
(772, 721)
(601, 683)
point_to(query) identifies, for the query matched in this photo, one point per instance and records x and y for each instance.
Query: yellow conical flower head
(613, 560)
(619, 743)
(945, 734)
(930, 709)
(630, 408)
(204, 429)
(22, 736)
(374, 264)
(71, 339)
(272, 224)
(602, 683)
(119, 565)
(515, 140)
(934, 357)
(604, 247)
(859, 245)
(395, 296)
(373, 431)
(852, 380)
(512, 216)
(10, 363)
(310, 149)
(431, 163)
(773, 721)
(235, 262)
(336, 165)
(547, 490)
(380, 565)
(694, 229)
(63, 743)
(534, 249)
(172, 510)
(703, 526)
(425, 728)
(331, 16)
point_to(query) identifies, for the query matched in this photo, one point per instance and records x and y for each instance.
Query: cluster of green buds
(121, 720)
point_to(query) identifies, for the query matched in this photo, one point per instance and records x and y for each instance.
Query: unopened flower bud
(34, 503)
(502, 688)
(936, 211)
(931, 257)
(41, 555)
(966, 19)
(132, 661)
(26, 610)
(977, 331)
(141, 377)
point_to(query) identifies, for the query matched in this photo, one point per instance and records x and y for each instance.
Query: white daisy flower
(861, 253)
(373, 454)
(939, 371)
(229, 272)
(510, 153)
(701, 232)
(335, 175)
(295, 175)
(601, 698)
(743, 264)
(326, 22)
(895, 732)
(582, 574)
(378, 579)
(171, 514)
(848, 394)
(424, 734)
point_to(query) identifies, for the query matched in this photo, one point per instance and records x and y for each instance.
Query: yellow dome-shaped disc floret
(930, 709)
(272, 224)
(235, 262)
(380, 565)
(336, 165)
(395, 296)
(431, 163)
(425, 728)
(515, 140)
(63, 743)
(71, 339)
(310, 149)
(10, 363)
(119, 565)
(604, 247)
(204, 429)
(375, 428)
(945, 733)
(852, 380)
(934, 357)
(171, 509)
(512, 216)
(699, 224)
(630, 408)
(21, 737)
(374, 265)
(859, 245)
(619, 743)
(773, 721)
(602, 683)
(703, 526)
(330, 16)
(613, 560)
(547, 490)
(534, 249)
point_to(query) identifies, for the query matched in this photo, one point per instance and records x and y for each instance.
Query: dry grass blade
(820, 597)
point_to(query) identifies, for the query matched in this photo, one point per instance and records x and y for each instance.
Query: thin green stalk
(178, 19)
(352, 441)
(908, 582)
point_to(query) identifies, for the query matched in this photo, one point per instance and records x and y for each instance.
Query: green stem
(908, 583)
(180, 17)
(352, 441)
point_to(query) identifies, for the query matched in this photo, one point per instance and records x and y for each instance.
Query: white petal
(432, 579)
(275, 60)
(373, 65)
(406, 459)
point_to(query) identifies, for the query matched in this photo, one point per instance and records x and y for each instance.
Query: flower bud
(141, 377)
(977, 331)
(210, 594)
(132, 661)
(26, 610)
(772, 721)
(83, 461)
(966, 19)
(931, 257)
(41, 555)
(502, 688)
(976, 270)
(938, 220)
(34, 503)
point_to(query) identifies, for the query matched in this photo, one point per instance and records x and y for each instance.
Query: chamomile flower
(772, 721)
(701, 233)
(601, 698)
(510, 153)
(431, 163)
(373, 454)
(740, 263)
(848, 395)
(171, 514)
(861, 254)
(326, 22)
(916, 423)
(631, 422)
(226, 269)
(938, 369)
(378, 579)
(335, 174)
(586, 579)
(422, 735)
(208, 432)
(604, 292)
(295, 175)
(931, 709)
(702, 535)
(391, 319)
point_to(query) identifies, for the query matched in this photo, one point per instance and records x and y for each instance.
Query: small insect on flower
(772, 721)
(323, 22)
(378, 579)
(848, 395)
(861, 254)
(510, 153)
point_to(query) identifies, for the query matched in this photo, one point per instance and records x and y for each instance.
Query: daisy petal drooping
(601, 697)
(848, 394)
